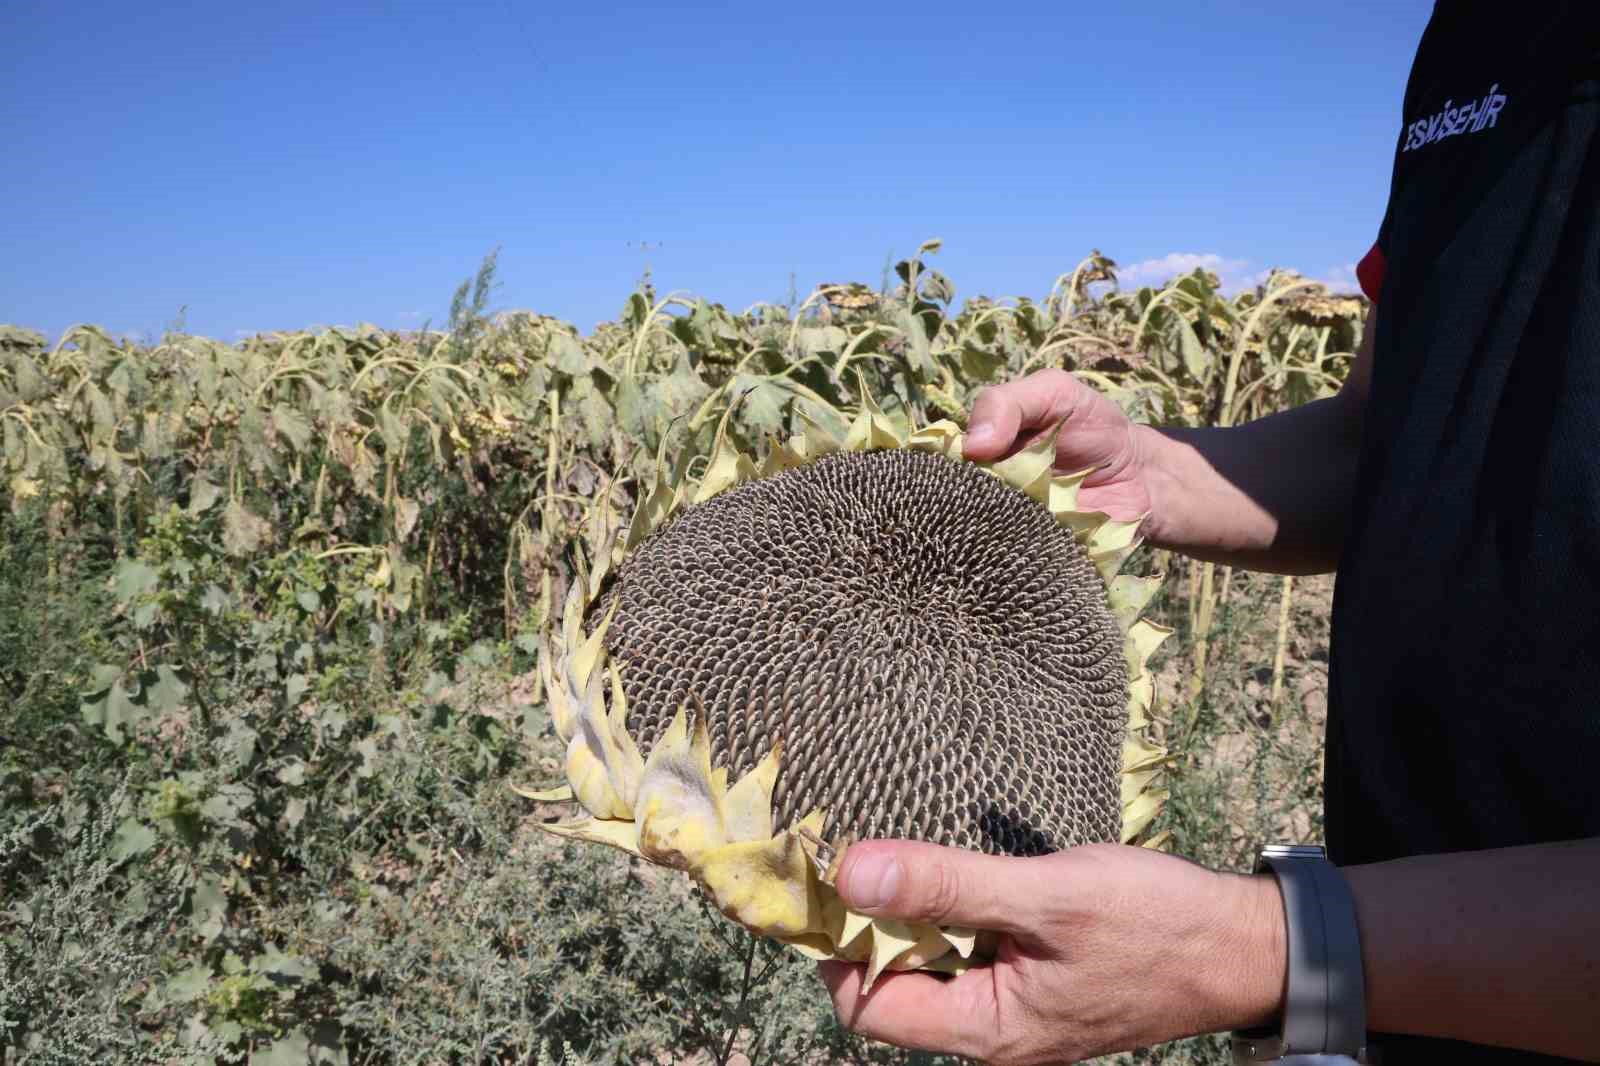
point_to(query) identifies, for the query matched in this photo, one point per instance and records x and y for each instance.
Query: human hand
(1006, 418)
(1104, 948)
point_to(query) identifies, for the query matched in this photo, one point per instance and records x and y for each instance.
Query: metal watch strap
(1324, 1007)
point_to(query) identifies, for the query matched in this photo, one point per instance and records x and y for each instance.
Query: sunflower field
(268, 621)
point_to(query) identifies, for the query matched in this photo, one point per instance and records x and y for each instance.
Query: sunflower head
(866, 637)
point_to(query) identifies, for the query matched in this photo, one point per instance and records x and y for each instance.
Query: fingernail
(872, 881)
(982, 433)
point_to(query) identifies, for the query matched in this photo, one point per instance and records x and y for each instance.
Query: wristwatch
(1325, 1003)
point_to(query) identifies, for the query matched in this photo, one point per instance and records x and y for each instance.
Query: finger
(1003, 412)
(916, 1010)
(927, 883)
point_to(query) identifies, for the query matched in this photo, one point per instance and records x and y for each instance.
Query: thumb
(936, 885)
(1006, 417)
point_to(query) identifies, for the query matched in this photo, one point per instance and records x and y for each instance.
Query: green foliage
(265, 645)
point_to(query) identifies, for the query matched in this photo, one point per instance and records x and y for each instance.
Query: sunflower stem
(1285, 602)
(1202, 632)
(1225, 586)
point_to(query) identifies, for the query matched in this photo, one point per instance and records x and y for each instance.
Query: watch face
(1294, 851)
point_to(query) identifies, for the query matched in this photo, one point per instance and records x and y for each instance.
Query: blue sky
(311, 164)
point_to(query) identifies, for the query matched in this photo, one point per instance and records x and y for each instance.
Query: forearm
(1272, 495)
(1496, 947)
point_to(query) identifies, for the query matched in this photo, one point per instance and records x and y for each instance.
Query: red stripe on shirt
(1370, 272)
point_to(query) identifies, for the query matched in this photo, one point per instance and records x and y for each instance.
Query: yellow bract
(676, 809)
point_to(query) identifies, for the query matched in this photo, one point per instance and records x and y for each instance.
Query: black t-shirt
(1464, 708)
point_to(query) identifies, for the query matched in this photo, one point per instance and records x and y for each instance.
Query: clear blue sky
(284, 166)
